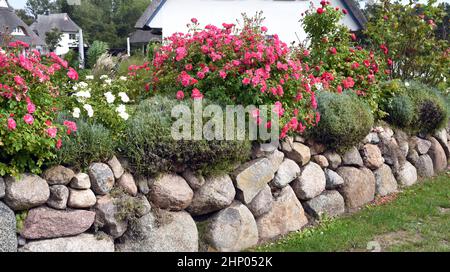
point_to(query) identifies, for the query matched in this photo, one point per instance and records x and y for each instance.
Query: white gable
(282, 17)
(3, 4)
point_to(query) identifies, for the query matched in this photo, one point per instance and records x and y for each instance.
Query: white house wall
(282, 17)
(65, 44)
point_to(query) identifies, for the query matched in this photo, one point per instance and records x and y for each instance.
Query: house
(141, 38)
(72, 34)
(12, 28)
(282, 16)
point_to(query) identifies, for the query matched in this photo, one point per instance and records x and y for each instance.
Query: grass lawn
(417, 219)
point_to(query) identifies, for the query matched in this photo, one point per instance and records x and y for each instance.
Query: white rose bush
(102, 100)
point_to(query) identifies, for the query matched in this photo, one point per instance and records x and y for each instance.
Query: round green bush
(345, 120)
(150, 148)
(430, 108)
(401, 111)
(92, 143)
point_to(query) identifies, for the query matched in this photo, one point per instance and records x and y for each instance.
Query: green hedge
(345, 120)
(150, 148)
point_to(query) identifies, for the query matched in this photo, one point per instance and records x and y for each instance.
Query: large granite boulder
(43, 223)
(171, 192)
(358, 188)
(165, 232)
(81, 243)
(287, 215)
(252, 177)
(58, 175)
(287, 172)
(25, 192)
(310, 183)
(102, 178)
(217, 193)
(329, 203)
(385, 181)
(231, 229)
(8, 238)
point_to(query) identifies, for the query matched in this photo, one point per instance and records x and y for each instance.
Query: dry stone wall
(282, 189)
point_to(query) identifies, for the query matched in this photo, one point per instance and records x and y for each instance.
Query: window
(72, 36)
(18, 31)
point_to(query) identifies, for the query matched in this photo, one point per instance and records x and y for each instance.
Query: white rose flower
(110, 97)
(76, 112)
(123, 78)
(319, 86)
(2, 51)
(121, 109)
(124, 115)
(89, 109)
(124, 97)
(90, 77)
(104, 76)
(108, 81)
(407, 84)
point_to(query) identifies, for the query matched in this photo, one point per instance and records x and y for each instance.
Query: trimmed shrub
(431, 111)
(401, 111)
(92, 143)
(150, 148)
(345, 120)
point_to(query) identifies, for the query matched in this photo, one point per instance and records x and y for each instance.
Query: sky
(18, 4)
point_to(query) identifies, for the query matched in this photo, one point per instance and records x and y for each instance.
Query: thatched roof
(60, 21)
(10, 21)
(144, 36)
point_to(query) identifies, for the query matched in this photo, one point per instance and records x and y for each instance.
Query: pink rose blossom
(180, 95)
(52, 132)
(28, 118)
(11, 124)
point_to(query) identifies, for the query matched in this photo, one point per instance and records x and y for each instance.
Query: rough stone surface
(413, 156)
(127, 184)
(359, 186)
(287, 172)
(263, 150)
(321, 160)
(81, 243)
(315, 147)
(406, 175)
(231, 230)
(143, 206)
(81, 199)
(334, 159)
(333, 180)
(424, 166)
(102, 178)
(422, 146)
(352, 158)
(43, 222)
(392, 153)
(81, 181)
(372, 138)
(58, 175)
(299, 153)
(287, 215)
(59, 194)
(116, 167)
(262, 203)
(275, 158)
(8, 238)
(372, 157)
(171, 192)
(26, 192)
(195, 181)
(310, 183)
(2, 188)
(438, 156)
(143, 185)
(250, 178)
(106, 217)
(170, 232)
(442, 138)
(329, 203)
(385, 181)
(216, 194)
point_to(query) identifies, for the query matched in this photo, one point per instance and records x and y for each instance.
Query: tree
(39, 7)
(26, 18)
(53, 38)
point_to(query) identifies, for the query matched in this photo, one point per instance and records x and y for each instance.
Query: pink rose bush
(30, 86)
(335, 56)
(237, 66)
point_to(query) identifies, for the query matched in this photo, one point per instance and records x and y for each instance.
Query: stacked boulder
(282, 189)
